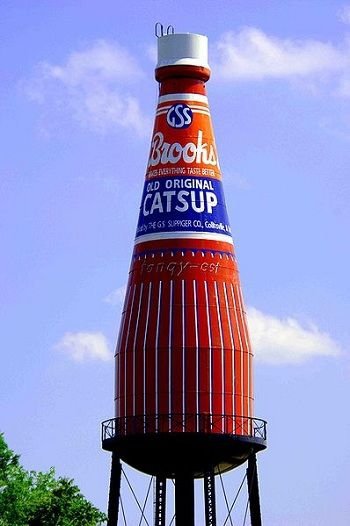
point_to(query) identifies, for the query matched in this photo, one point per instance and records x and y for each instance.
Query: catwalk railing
(184, 423)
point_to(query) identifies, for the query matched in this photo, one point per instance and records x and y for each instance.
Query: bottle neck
(182, 79)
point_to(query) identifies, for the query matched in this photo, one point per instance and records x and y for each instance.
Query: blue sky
(77, 98)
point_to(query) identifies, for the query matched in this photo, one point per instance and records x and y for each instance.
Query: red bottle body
(183, 360)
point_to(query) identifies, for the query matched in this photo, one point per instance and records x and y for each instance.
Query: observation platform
(193, 443)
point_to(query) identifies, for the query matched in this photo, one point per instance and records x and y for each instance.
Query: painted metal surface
(183, 346)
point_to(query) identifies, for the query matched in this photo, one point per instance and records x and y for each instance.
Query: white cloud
(91, 86)
(107, 61)
(285, 341)
(251, 54)
(344, 14)
(85, 346)
(116, 297)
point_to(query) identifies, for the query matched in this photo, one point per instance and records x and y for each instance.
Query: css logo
(179, 116)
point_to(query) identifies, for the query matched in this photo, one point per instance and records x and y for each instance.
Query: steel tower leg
(114, 491)
(160, 501)
(209, 499)
(184, 499)
(253, 491)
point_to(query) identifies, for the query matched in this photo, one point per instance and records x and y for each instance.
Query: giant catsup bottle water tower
(184, 388)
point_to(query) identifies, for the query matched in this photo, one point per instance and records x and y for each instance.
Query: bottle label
(183, 195)
(183, 205)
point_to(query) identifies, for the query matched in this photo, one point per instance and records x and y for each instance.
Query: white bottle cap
(179, 49)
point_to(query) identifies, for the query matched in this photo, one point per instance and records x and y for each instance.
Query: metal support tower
(209, 499)
(184, 496)
(114, 491)
(160, 500)
(253, 491)
(184, 499)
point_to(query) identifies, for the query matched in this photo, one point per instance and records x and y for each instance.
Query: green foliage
(30, 498)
